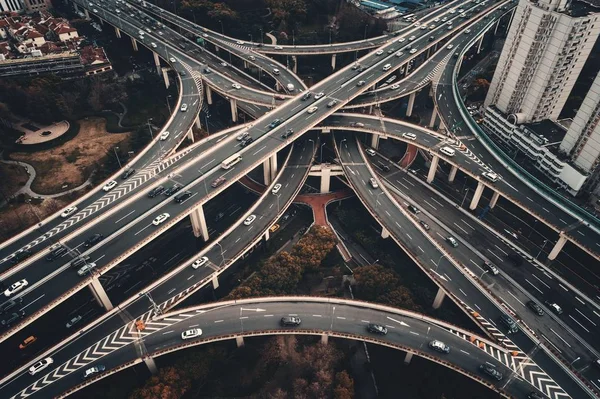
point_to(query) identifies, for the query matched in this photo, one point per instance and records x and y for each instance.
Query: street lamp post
(321, 155)
(532, 228)
(150, 128)
(313, 145)
(438, 262)
(222, 253)
(117, 155)
(463, 200)
(251, 41)
(222, 29)
(541, 249)
(262, 37)
(169, 104)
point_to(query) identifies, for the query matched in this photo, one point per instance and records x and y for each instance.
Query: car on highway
(80, 260)
(199, 262)
(424, 224)
(452, 241)
(276, 188)
(156, 191)
(8, 305)
(246, 141)
(377, 329)
(239, 42)
(39, 366)
(439, 346)
(15, 316)
(160, 218)
(183, 196)
(537, 309)
(412, 38)
(409, 136)
(242, 135)
(399, 54)
(184, 107)
(423, 27)
(509, 323)
(28, 341)
(249, 220)
(236, 86)
(287, 133)
(390, 51)
(449, 47)
(110, 185)
(395, 86)
(355, 67)
(15, 287)
(319, 95)
(252, 58)
(401, 40)
(276, 71)
(56, 252)
(379, 52)
(491, 371)
(360, 83)
(127, 173)
(20, 255)
(491, 176)
(373, 182)
(358, 124)
(73, 321)
(69, 211)
(278, 48)
(164, 135)
(535, 395)
(218, 181)
(290, 321)
(312, 110)
(274, 228)
(173, 60)
(554, 307)
(93, 371)
(191, 333)
(490, 267)
(413, 209)
(467, 31)
(331, 104)
(414, 50)
(306, 96)
(223, 64)
(275, 123)
(207, 70)
(86, 269)
(370, 151)
(172, 190)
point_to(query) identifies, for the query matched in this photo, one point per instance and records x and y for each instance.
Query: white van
(491, 176)
(387, 67)
(290, 87)
(276, 71)
(448, 151)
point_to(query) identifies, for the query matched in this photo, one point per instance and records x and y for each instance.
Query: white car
(192, 333)
(164, 135)
(395, 87)
(249, 220)
(373, 182)
(184, 107)
(69, 211)
(199, 262)
(252, 58)
(401, 40)
(423, 27)
(16, 287)
(86, 269)
(236, 86)
(153, 45)
(370, 151)
(276, 188)
(278, 48)
(319, 95)
(39, 366)
(239, 42)
(399, 54)
(379, 52)
(491, 176)
(242, 136)
(160, 218)
(312, 110)
(172, 60)
(224, 64)
(413, 51)
(436, 20)
(110, 185)
(449, 47)
(409, 136)
(410, 39)
(467, 31)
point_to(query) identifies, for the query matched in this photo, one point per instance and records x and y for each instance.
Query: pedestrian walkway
(409, 156)
(318, 203)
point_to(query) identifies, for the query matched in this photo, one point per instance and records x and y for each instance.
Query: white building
(546, 47)
(582, 141)
(11, 5)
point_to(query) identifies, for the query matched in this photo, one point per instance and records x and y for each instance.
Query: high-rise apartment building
(582, 140)
(545, 50)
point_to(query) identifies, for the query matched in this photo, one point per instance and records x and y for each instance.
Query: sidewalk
(409, 156)
(318, 202)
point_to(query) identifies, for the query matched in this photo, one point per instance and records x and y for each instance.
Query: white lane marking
(171, 291)
(408, 236)
(490, 251)
(538, 279)
(317, 315)
(260, 149)
(462, 220)
(190, 277)
(341, 318)
(530, 283)
(580, 325)
(596, 313)
(465, 352)
(476, 306)
(501, 250)
(561, 338)
(437, 202)
(365, 321)
(268, 315)
(143, 229)
(511, 294)
(168, 332)
(430, 205)
(583, 303)
(124, 216)
(205, 165)
(218, 321)
(35, 300)
(414, 333)
(243, 317)
(460, 289)
(463, 230)
(421, 249)
(563, 287)
(587, 318)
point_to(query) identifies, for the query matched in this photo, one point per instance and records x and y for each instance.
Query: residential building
(36, 5)
(12, 5)
(547, 45)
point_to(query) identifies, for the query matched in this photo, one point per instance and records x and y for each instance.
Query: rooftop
(582, 8)
(551, 131)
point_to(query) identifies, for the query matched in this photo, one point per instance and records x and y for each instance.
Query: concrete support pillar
(452, 174)
(239, 341)
(295, 61)
(476, 196)
(208, 92)
(274, 168)
(496, 28)
(562, 240)
(100, 294)
(375, 141)
(233, 103)
(197, 120)
(87, 13)
(432, 168)
(428, 52)
(411, 103)
(512, 15)
(267, 236)
(384, 233)
(267, 171)
(494, 199)
(166, 77)
(277, 86)
(157, 63)
(215, 282)
(408, 358)
(134, 44)
(151, 364)
(480, 44)
(190, 135)
(439, 298)
(199, 223)
(324, 339)
(325, 180)
(333, 57)
(433, 118)
(117, 32)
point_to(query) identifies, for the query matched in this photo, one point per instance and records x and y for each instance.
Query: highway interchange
(265, 144)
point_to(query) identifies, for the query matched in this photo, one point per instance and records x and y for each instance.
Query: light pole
(438, 262)
(321, 155)
(573, 362)
(251, 41)
(541, 249)
(169, 104)
(463, 200)
(377, 199)
(262, 37)
(332, 312)
(117, 155)
(343, 140)
(222, 29)
(206, 122)
(484, 272)
(532, 228)
(313, 145)
(222, 253)
(293, 38)
(150, 128)
(365, 35)
(278, 208)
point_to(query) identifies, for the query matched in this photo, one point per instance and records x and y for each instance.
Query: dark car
(413, 209)
(377, 328)
(93, 240)
(510, 324)
(439, 346)
(80, 261)
(290, 321)
(12, 318)
(156, 191)
(535, 395)
(21, 255)
(219, 216)
(385, 168)
(56, 253)
(537, 309)
(183, 196)
(306, 96)
(172, 190)
(491, 371)
(127, 173)
(515, 258)
(5, 307)
(287, 133)
(218, 181)
(248, 140)
(93, 371)
(425, 225)
(275, 123)
(431, 38)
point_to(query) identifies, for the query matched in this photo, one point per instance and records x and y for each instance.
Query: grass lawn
(13, 178)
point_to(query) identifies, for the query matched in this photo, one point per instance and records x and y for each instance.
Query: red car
(217, 182)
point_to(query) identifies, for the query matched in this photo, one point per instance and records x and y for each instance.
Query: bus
(390, 80)
(408, 17)
(232, 160)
